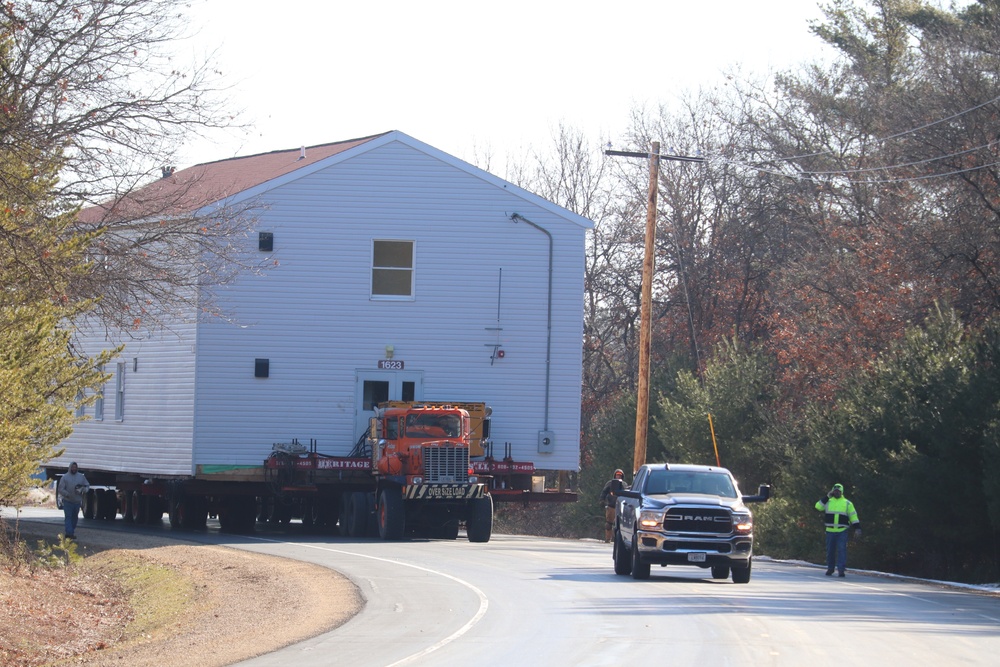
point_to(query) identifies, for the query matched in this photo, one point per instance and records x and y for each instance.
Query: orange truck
(423, 468)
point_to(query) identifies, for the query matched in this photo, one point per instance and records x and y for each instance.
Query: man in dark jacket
(70, 491)
(611, 489)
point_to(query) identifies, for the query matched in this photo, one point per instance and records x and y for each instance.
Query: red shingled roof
(188, 190)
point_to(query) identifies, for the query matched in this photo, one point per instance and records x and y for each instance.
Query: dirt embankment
(142, 600)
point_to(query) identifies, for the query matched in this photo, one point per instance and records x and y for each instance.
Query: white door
(374, 387)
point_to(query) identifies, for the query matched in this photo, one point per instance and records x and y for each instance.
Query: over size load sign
(444, 491)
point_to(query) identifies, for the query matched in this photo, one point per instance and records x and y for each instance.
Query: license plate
(696, 558)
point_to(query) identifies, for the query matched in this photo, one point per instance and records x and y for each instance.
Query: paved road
(531, 601)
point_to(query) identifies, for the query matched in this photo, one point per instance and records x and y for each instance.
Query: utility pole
(646, 296)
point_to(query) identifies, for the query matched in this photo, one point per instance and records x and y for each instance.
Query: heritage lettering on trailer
(343, 464)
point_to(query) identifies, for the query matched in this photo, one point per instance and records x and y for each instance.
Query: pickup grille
(709, 520)
(446, 465)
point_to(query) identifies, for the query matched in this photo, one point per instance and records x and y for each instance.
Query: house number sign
(390, 365)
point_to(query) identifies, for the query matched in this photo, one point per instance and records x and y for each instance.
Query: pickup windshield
(677, 481)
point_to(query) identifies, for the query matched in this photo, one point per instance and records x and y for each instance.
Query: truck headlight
(743, 523)
(650, 518)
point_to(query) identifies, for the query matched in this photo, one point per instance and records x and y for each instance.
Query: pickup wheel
(640, 570)
(741, 575)
(720, 571)
(621, 556)
(391, 516)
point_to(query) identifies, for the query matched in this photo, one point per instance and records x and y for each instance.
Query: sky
(476, 78)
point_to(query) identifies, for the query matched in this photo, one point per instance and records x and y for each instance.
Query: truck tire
(640, 570)
(479, 526)
(357, 515)
(391, 514)
(741, 575)
(343, 514)
(720, 571)
(621, 556)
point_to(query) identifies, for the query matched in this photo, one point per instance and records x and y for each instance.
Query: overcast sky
(468, 76)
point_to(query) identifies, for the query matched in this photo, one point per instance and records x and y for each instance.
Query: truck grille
(713, 520)
(446, 464)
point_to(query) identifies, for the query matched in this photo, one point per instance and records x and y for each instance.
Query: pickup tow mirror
(763, 493)
(624, 493)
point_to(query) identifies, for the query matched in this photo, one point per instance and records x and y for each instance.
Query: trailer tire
(391, 514)
(238, 515)
(479, 526)
(343, 514)
(107, 505)
(136, 507)
(125, 499)
(90, 504)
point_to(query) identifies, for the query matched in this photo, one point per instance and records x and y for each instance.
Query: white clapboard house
(401, 273)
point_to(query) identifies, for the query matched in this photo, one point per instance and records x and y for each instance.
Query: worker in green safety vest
(839, 515)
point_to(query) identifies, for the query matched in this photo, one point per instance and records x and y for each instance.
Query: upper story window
(392, 269)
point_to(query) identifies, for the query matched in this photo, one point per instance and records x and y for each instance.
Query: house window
(120, 391)
(80, 408)
(392, 269)
(265, 241)
(99, 404)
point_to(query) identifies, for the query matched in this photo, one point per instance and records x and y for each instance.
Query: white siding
(154, 437)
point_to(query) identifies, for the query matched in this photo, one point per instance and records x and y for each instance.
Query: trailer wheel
(136, 507)
(154, 510)
(90, 504)
(479, 526)
(126, 500)
(391, 514)
(107, 505)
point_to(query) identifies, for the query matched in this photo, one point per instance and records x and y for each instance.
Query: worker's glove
(822, 501)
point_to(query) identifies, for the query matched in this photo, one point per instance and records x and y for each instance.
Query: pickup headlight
(743, 523)
(650, 518)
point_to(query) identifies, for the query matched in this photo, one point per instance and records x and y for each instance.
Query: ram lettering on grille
(446, 464)
(698, 521)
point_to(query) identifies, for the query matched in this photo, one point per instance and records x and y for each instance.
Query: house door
(374, 387)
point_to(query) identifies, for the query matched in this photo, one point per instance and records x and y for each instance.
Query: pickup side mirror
(625, 493)
(763, 493)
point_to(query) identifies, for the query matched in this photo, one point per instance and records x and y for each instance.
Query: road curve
(534, 601)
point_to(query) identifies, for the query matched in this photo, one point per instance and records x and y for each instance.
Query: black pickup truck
(676, 514)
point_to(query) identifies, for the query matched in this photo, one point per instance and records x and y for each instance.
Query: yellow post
(715, 445)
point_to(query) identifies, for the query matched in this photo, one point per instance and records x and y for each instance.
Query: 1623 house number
(390, 365)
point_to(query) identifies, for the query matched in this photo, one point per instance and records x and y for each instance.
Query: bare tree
(96, 86)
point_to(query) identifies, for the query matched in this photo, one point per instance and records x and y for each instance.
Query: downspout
(517, 217)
